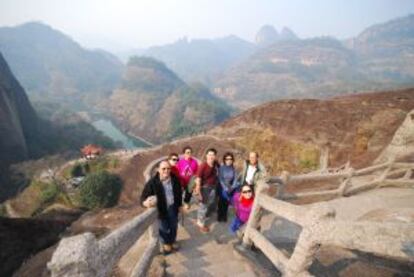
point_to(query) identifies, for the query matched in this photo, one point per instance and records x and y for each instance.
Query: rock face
(155, 104)
(402, 144)
(17, 119)
(380, 58)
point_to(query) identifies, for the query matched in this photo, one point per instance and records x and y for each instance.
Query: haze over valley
(93, 93)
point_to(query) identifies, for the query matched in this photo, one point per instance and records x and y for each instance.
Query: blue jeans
(235, 225)
(168, 227)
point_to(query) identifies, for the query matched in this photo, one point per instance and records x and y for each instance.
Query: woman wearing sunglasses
(227, 183)
(173, 160)
(243, 203)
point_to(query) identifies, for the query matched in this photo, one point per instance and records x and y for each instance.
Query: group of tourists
(212, 185)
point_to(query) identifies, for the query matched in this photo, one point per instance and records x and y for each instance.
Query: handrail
(346, 187)
(84, 255)
(144, 263)
(319, 226)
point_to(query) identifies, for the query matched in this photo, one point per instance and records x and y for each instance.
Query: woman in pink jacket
(187, 167)
(243, 203)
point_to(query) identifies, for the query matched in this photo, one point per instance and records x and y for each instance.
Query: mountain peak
(287, 34)
(393, 30)
(268, 35)
(149, 74)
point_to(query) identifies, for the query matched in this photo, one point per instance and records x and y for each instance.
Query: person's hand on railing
(150, 202)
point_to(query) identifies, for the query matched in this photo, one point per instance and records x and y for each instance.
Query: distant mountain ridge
(201, 59)
(268, 35)
(58, 70)
(155, 104)
(381, 57)
(47, 62)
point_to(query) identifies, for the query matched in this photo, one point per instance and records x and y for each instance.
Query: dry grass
(37, 197)
(281, 153)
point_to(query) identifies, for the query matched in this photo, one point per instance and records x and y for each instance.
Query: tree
(100, 189)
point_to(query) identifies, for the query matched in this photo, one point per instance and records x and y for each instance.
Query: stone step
(224, 268)
(228, 268)
(190, 259)
(210, 254)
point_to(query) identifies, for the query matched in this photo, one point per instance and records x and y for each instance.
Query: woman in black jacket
(164, 191)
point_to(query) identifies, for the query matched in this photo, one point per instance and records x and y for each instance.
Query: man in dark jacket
(164, 191)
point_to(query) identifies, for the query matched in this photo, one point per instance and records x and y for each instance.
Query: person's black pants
(168, 226)
(187, 196)
(223, 206)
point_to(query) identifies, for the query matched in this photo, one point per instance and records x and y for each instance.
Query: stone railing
(84, 255)
(383, 175)
(319, 227)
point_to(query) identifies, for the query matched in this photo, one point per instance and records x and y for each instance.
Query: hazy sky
(122, 24)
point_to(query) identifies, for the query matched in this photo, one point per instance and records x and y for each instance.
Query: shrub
(49, 192)
(100, 189)
(308, 164)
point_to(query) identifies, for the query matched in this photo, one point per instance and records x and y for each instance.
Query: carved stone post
(408, 174)
(281, 188)
(345, 184)
(324, 159)
(303, 255)
(307, 245)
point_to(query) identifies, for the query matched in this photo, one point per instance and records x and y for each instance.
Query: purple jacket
(242, 212)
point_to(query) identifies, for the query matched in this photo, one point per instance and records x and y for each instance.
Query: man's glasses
(166, 168)
(228, 159)
(246, 191)
(187, 152)
(174, 160)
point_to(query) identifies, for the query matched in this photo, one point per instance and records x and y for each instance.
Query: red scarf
(246, 202)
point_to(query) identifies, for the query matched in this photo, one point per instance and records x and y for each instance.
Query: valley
(80, 130)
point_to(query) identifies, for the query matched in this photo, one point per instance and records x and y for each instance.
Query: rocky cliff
(17, 120)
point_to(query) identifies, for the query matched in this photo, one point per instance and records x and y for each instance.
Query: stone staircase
(210, 254)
